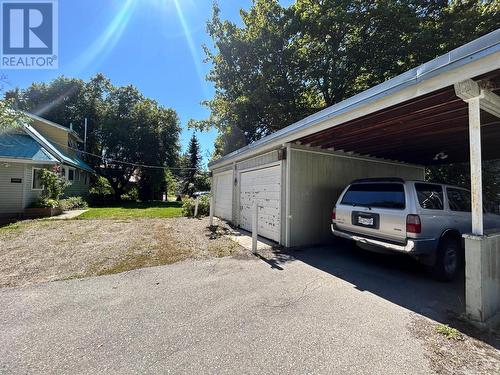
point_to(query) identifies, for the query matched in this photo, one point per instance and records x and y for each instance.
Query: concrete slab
(244, 239)
(68, 215)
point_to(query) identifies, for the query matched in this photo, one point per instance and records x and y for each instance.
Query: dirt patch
(460, 351)
(41, 251)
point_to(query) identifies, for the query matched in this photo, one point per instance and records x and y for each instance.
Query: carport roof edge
(461, 57)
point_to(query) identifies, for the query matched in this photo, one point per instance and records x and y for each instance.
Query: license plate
(366, 221)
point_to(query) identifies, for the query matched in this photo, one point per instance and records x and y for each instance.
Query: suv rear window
(381, 195)
(430, 197)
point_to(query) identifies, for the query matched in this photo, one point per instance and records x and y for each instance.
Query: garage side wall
(316, 181)
(223, 199)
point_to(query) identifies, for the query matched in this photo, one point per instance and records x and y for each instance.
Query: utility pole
(85, 137)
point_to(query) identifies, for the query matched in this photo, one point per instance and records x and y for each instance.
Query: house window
(37, 183)
(77, 175)
(71, 174)
(86, 177)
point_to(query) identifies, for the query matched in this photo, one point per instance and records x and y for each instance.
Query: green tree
(161, 136)
(285, 63)
(57, 101)
(172, 183)
(191, 164)
(10, 118)
(125, 129)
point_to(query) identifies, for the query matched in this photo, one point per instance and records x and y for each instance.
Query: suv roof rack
(379, 179)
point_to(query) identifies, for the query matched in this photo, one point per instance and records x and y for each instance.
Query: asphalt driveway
(321, 311)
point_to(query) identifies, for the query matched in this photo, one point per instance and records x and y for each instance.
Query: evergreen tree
(192, 161)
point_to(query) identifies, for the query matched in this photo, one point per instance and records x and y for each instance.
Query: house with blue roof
(26, 150)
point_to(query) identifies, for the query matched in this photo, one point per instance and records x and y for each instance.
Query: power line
(125, 162)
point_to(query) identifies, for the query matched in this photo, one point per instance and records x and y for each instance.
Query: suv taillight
(413, 224)
(334, 214)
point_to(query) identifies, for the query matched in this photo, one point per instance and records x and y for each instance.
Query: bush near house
(45, 203)
(203, 206)
(73, 203)
(53, 184)
(53, 187)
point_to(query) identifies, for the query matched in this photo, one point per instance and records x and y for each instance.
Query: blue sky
(154, 45)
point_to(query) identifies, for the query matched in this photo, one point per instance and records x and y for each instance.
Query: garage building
(296, 188)
(390, 130)
(444, 111)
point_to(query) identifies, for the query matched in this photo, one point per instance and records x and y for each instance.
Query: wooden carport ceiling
(416, 131)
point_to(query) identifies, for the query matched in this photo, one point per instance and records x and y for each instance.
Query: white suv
(422, 219)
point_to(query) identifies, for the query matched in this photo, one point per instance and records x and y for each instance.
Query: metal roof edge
(479, 48)
(53, 150)
(44, 142)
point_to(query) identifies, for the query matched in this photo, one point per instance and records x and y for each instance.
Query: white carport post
(482, 271)
(477, 98)
(476, 176)
(470, 92)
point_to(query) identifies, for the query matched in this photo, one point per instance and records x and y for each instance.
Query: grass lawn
(152, 210)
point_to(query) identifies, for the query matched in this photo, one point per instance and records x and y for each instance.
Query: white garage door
(263, 185)
(223, 184)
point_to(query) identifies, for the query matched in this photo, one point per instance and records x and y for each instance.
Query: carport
(445, 111)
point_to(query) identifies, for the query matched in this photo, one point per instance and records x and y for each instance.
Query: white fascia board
(27, 161)
(471, 60)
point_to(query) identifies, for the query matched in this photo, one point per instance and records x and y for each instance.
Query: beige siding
(316, 181)
(11, 194)
(30, 195)
(223, 169)
(53, 134)
(78, 186)
(258, 161)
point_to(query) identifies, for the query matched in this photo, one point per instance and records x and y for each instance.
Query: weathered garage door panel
(263, 185)
(223, 188)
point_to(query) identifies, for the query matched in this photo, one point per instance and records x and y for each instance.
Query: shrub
(101, 193)
(53, 184)
(45, 203)
(73, 203)
(131, 196)
(203, 206)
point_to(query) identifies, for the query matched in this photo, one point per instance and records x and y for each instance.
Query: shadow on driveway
(395, 278)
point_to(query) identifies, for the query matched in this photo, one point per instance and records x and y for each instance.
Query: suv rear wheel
(448, 259)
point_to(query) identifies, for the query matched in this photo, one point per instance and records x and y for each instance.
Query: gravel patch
(42, 250)
(471, 352)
